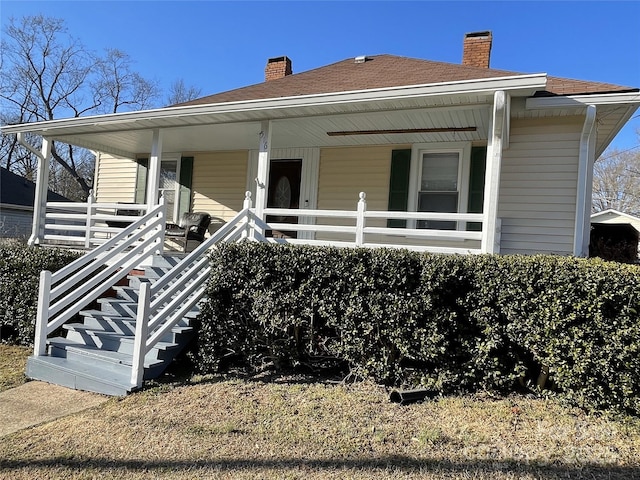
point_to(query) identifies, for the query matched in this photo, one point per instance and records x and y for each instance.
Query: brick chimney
(477, 49)
(277, 67)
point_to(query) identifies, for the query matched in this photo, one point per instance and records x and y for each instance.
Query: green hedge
(20, 268)
(447, 322)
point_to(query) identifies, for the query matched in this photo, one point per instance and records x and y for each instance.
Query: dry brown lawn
(13, 361)
(250, 429)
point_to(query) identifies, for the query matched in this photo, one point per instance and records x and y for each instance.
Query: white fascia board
(526, 84)
(629, 98)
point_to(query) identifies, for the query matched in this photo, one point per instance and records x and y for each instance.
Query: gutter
(585, 178)
(27, 145)
(615, 98)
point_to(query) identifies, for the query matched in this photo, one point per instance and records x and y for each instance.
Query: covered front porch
(421, 120)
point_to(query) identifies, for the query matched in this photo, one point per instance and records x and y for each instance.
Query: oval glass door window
(282, 195)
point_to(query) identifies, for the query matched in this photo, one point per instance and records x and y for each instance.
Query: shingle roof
(382, 71)
(16, 190)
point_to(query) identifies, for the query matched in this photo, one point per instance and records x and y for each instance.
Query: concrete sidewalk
(38, 402)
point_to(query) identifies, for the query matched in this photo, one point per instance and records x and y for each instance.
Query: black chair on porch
(192, 226)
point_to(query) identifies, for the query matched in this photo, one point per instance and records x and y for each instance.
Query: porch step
(80, 375)
(99, 318)
(97, 354)
(130, 293)
(63, 347)
(127, 308)
(123, 342)
(136, 280)
(127, 293)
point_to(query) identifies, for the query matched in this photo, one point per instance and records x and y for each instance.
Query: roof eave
(564, 101)
(521, 85)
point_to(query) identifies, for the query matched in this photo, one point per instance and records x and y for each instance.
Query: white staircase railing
(64, 293)
(163, 304)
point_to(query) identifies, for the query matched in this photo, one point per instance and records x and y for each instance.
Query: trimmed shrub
(450, 323)
(20, 268)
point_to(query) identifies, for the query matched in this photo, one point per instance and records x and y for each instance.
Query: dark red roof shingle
(383, 71)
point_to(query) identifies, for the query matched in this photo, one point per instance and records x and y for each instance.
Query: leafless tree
(48, 74)
(616, 181)
(180, 93)
(117, 87)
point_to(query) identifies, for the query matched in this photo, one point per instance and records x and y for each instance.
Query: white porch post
(264, 160)
(585, 184)
(153, 177)
(498, 136)
(42, 187)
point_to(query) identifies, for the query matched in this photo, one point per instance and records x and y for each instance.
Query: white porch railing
(64, 293)
(88, 224)
(421, 239)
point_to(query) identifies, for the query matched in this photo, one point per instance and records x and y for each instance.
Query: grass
(13, 361)
(246, 429)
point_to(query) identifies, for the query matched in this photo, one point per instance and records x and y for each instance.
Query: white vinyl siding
(538, 186)
(344, 173)
(219, 182)
(115, 179)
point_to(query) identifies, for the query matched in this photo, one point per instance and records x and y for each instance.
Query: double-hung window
(439, 189)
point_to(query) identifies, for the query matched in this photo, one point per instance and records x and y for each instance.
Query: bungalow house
(373, 150)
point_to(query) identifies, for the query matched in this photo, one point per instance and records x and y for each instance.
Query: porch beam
(498, 136)
(586, 160)
(42, 188)
(153, 177)
(264, 160)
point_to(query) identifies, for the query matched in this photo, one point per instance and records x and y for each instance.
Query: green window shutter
(141, 180)
(186, 177)
(476, 184)
(399, 185)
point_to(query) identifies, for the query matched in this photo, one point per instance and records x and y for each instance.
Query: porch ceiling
(207, 133)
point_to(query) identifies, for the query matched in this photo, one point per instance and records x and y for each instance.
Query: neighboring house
(414, 135)
(612, 216)
(615, 235)
(16, 204)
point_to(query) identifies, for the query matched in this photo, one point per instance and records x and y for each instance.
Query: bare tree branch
(180, 93)
(616, 182)
(48, 74)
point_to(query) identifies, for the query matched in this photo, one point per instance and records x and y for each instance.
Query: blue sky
(218, 45)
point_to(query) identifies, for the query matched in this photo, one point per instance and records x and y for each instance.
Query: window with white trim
(440, 182)
(439, 187)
